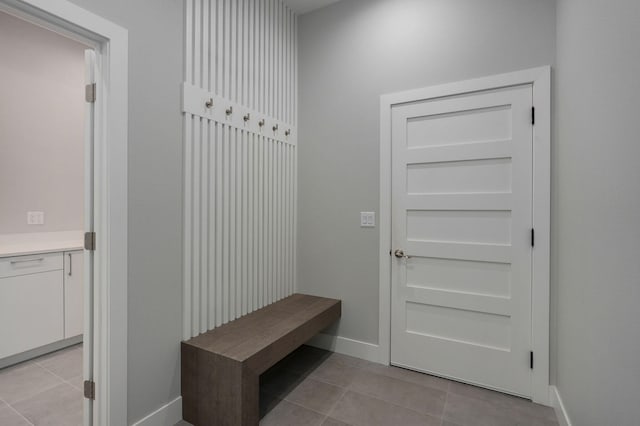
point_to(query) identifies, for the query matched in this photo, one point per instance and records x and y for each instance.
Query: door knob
(399, 253)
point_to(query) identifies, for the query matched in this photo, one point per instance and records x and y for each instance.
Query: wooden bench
(221, 368)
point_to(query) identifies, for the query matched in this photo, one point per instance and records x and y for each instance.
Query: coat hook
(209, 103)
(287, 132)
(229, 111)
(246, 117)
(261, 123)
(275, 128)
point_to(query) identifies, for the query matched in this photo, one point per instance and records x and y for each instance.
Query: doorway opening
(46, 175)
(64, 286)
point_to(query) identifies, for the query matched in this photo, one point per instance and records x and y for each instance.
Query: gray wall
(155, 196)
(41, 128)
(596, 211)
(351, 53)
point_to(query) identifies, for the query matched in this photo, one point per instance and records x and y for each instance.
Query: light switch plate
(367, 219)
(35, 218)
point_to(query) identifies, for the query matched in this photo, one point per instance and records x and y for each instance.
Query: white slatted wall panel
(240, 177)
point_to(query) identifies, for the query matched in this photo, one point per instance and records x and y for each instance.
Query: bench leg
(218, 391)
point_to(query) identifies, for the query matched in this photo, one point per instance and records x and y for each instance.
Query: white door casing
(457, 227)
(461, 197)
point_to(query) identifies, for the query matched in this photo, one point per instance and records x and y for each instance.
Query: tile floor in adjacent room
(316, 387)
(43, 391)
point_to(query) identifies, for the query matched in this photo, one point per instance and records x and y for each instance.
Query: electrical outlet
(367, 219)
(35, 218)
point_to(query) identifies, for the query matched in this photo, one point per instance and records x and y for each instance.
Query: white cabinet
(73, 293)
(41, 300)
(31, 302)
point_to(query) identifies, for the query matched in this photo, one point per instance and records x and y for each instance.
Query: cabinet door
(30, 311)
(73, 293)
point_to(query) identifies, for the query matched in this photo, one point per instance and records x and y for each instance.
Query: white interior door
(91, 70)
(462, 218)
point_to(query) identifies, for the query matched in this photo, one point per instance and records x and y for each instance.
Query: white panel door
(462, 215)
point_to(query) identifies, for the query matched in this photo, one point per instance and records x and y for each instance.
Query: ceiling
(304, 6)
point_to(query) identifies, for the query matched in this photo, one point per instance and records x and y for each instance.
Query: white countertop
(40, 242)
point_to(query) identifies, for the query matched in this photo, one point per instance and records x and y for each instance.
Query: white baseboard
(561, 411)
(167, 415)
(346, 346)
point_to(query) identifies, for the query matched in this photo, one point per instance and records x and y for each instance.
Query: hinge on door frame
(533, 237)
(90, 241)
(90, 93)
(90, 389)
(531, 360)
(533, 115)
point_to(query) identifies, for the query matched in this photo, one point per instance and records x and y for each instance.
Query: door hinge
(90, 241)
(531, 360)
(90, 93)
(533, 237)
(533, 116)
(90, 389)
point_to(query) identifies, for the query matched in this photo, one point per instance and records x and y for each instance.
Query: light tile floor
(316, 387)
(43, 391)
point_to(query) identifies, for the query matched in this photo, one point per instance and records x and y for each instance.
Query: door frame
(110, 43)
(540, 79)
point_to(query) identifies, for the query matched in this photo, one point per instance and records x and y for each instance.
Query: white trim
(167, 415)
(540, 298)
(558, 405)
(194, 101)
(110, 193)
(384, 223)
(540, 78)
(346, 346)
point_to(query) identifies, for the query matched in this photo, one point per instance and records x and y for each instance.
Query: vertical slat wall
(239, 183)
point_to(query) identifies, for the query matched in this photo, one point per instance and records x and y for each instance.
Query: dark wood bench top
(221, 368)
(262, 338)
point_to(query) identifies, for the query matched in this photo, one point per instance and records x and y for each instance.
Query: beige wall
(41, 128)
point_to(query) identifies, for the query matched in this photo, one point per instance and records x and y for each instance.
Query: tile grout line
(281, 399)
(414, 382)
(60, 353)
(396, 405)
(333, 407)
(17, 412)
(326, 416)
(444, 407)
(302, 406)
(349, 388)
(367, 370)
(60, 377)
(446, 401)
(43, 389)
(77, 347)
(446, 392)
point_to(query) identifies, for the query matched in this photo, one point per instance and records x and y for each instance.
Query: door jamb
(540, 78)
(110, 42)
